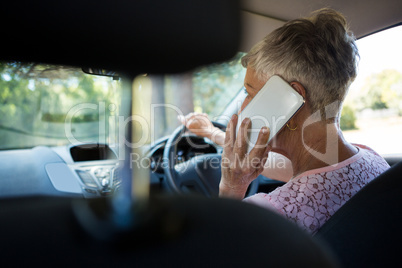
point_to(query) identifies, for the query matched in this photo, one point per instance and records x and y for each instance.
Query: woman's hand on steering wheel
(240, 168)
(198, 123)
(201, 125)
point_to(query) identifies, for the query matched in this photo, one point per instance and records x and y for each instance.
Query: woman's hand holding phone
(240, 168)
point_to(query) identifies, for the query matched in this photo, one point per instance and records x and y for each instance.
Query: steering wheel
(200, 174)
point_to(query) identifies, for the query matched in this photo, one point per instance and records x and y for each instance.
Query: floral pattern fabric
(311, 198)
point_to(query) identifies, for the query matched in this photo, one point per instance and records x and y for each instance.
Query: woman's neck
(317, 147)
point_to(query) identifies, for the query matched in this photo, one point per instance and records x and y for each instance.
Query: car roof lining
(177, 36)
(364, 16)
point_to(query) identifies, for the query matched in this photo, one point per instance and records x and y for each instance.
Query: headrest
(155, 36)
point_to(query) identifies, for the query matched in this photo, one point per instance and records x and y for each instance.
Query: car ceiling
(175, 24)
(364, 16)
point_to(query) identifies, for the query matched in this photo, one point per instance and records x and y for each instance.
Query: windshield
(55, 105)
(205, 90)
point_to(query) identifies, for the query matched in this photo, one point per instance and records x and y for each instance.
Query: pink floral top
(311, 198)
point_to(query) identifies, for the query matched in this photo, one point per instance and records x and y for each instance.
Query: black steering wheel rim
(201, 173)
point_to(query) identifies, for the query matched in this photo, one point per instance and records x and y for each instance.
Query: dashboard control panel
(99, 180)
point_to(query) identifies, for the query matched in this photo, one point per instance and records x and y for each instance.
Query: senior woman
(317, 56)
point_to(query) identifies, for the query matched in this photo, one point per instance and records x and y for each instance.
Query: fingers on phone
(230, 136)
(242, 138)
(260, 148)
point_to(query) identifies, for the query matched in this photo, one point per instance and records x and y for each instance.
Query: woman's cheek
(244, 104)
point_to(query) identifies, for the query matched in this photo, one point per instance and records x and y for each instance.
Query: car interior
(85, 180)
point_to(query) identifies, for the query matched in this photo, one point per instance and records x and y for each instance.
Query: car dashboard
(81, 170)
(87, 170)
(91, 170)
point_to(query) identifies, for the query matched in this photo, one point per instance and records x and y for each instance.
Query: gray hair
(318, 51)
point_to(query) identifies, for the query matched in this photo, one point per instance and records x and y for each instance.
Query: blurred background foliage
(348, 118)
(383, 90)
(381, 95)
(36, 98)
(215, 85)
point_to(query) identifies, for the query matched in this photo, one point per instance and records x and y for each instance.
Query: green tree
(348, 118)
(383, 90)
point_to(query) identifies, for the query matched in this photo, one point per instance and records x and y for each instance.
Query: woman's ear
(303, 113)
(299, 88)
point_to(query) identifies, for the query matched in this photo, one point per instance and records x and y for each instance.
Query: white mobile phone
(273, 106)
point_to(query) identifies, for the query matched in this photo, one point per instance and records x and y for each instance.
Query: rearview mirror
(103, 72)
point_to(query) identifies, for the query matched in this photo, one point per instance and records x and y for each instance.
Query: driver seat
(365, 231)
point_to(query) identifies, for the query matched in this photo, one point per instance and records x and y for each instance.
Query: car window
(207, 89)
(372, 111)
(54, 105)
